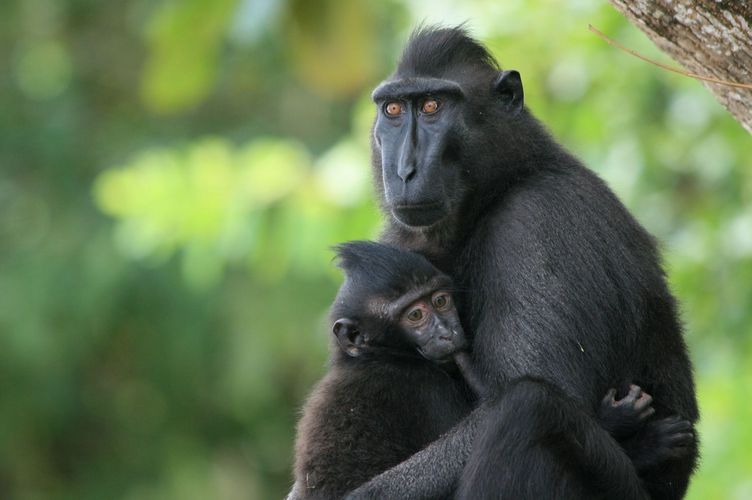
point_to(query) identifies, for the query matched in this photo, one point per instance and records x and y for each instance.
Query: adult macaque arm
(432, 472)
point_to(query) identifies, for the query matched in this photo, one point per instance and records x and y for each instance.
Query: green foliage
(206, 199)
(184, 39)
(172, 175)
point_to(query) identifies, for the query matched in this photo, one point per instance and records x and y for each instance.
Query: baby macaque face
(432, 323)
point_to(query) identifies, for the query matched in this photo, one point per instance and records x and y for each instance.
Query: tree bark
(708, 37)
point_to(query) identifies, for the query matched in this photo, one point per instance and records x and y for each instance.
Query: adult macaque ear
(349, 337)
(508, 85)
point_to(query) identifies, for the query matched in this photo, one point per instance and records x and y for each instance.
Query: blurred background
(173, 173)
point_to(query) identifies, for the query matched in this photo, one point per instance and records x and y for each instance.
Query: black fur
(440, 52)
(371, 412)
(376, 270)
(381, 402)
(562, 289)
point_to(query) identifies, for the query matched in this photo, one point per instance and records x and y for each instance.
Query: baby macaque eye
(441, 301)
(415, 315)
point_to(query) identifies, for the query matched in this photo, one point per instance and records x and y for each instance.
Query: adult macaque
(560, 289)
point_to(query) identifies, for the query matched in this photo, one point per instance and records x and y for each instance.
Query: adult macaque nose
(407, 162)
(406, 171)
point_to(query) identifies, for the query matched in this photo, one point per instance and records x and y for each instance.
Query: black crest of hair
(434, 51)
(382, 270)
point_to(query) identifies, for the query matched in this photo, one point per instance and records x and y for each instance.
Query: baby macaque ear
(349, 337)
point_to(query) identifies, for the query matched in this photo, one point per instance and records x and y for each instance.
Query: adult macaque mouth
(419, 215)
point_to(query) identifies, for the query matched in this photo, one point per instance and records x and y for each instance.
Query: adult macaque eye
(393, 108)
(441, 301)
(430, 106)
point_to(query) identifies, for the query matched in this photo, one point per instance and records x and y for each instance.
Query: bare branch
(616, 44)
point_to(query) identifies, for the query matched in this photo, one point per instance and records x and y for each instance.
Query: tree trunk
(709, 37)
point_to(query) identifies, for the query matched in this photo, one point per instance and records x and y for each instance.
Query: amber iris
(430, 106)
(393, 108)
(415, 315)
(441, 301)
